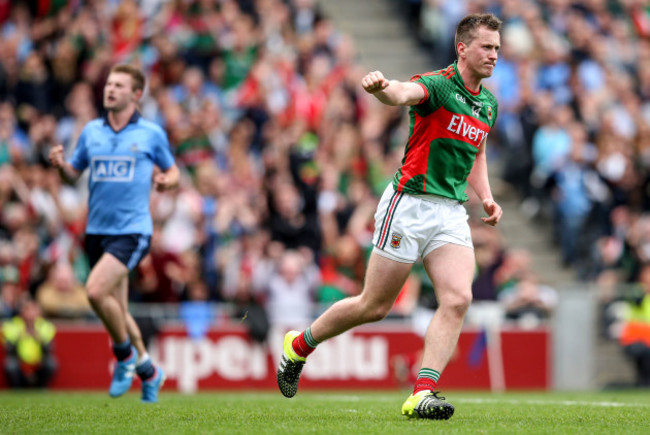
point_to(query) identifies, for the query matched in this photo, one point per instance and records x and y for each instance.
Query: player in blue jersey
(124, 154)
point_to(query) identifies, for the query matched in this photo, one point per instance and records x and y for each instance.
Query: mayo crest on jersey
(445, 133)
(121, 166)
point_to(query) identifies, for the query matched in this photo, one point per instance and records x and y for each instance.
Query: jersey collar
(132, 120)
(460, 78)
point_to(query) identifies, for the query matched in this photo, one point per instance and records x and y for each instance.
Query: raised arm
(392, 92)
(479, 181)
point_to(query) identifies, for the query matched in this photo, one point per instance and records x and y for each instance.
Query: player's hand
(493, 210)
(57, 159)
(374, 82)
(161, 182)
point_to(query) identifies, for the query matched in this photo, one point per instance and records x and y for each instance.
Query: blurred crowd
(284, 156)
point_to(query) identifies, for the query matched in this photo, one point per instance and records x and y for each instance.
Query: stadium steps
(381, 37)
(613, 369)
(520, 233)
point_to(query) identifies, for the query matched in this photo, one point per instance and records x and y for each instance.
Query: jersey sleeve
(435, 87)
(162, 155)
(79, 160)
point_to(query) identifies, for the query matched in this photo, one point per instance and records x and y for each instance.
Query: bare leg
(383, 282)
(384, 279)
(131, 326)
(104, 297)
(135, 335)
(451, 269)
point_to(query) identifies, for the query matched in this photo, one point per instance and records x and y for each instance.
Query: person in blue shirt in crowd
(124, 154)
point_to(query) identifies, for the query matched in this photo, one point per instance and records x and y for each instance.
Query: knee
(375, 311)
(93, 297)
(376, 314)
(94, 293)
(457, 302)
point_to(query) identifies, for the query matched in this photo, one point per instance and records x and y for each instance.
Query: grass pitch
(609, 412)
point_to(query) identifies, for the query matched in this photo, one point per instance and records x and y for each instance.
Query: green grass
(332, 413)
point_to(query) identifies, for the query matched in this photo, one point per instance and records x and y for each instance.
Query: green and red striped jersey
(445, 132)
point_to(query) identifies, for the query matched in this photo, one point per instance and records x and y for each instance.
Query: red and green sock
(304, 344)
(427, 380)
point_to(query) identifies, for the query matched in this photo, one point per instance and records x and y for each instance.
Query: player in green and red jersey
(447, 129)
(420, 215)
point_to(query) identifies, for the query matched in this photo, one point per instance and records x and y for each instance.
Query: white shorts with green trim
(408, 227)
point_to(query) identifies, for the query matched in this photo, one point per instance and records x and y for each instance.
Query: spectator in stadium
(443, 240)
(516, 264)
(528, 302)
(635, 333)
(292, 222)
(34, 88)
(28, 339)
(490, 254)
(121, 150)
(14, 142)
(10, 292)
(289, 289)
(551, 146)
(80, 109)
(195, 311)
(571, 195)
(159, 275)
(61, 295)
(341, 271)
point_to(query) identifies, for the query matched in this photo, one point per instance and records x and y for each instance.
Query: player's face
(118, 92)
(482, 53)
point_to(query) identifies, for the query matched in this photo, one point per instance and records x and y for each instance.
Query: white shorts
(408, 227)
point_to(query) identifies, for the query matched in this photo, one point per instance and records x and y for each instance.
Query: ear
(138, 94)
(460, 49)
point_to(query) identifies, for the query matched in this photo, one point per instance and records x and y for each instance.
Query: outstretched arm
(392, 92)
(478, 179)
(67, 172)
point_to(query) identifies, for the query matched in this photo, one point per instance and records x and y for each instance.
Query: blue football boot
(123, 375)
(151, 387)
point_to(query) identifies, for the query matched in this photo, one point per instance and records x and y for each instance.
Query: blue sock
(123, 350)
(145, 370)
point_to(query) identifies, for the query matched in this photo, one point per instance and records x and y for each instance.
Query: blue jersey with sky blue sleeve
(121, 166)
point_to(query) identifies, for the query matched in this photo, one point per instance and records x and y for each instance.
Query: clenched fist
(56, 156)
(374, 82)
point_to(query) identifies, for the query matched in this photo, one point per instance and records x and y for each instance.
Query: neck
(119, 119)
(471, 80)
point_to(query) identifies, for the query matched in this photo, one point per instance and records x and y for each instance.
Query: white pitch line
(552, 402)
(353, 398)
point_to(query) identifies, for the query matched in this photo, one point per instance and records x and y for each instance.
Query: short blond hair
(135, 73)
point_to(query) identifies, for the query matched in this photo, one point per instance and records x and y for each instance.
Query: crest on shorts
(395, 240)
